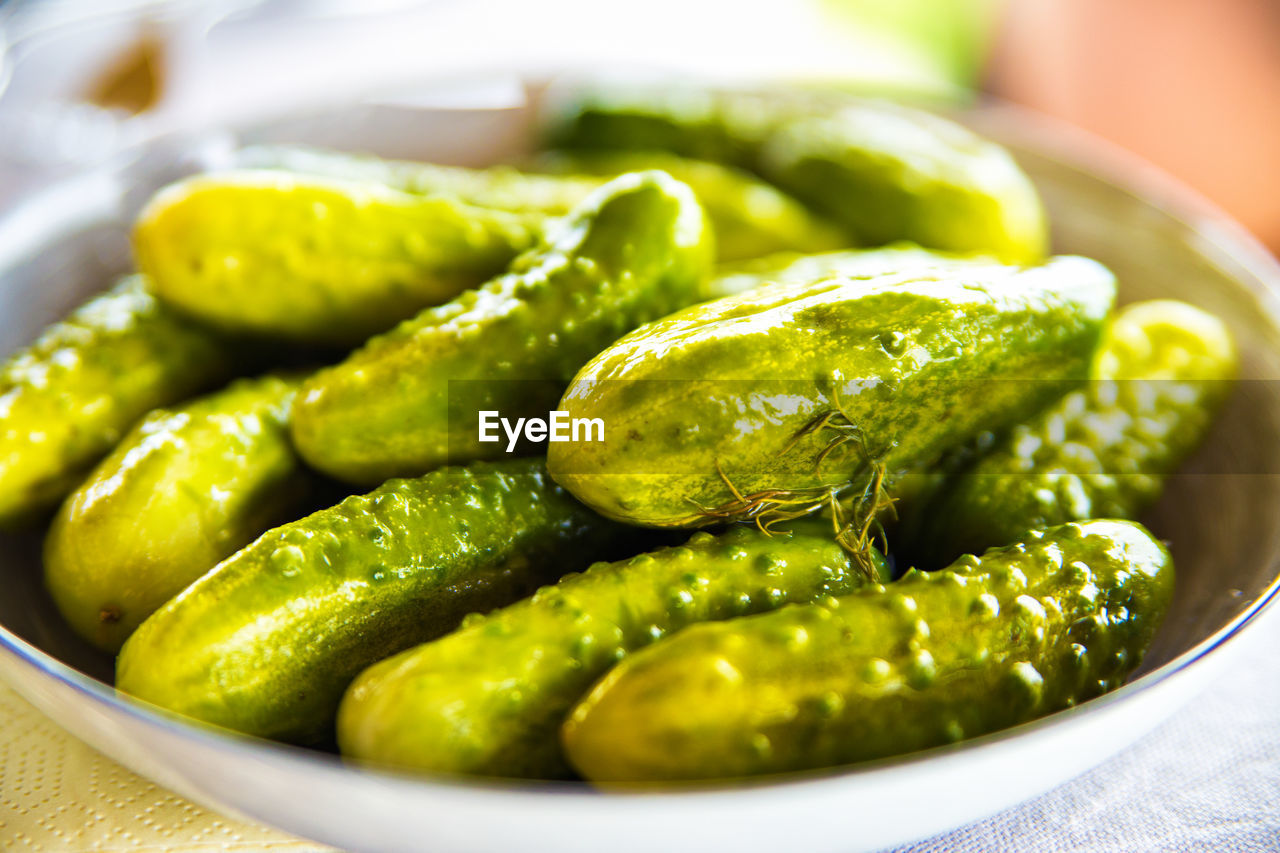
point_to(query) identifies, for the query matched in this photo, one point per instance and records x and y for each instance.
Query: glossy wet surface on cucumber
(883, 171)
(409, 401)
(933, 658)
(184, 489)
(495, 187)
(69, 397)
(748, 396)
(489, 699)
(1103, 451)
(800, 268)
(750, 217)
(266, 642)
(317, 259)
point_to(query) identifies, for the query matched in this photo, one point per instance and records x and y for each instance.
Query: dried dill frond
(856, 525)
(837, 421)
(769, 507)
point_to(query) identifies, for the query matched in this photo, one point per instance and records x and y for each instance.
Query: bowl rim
(1052, 139)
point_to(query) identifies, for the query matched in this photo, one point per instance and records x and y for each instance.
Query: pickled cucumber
(887, 172)
(495, 187)
(1023, 631)
(266, 641)
(317, 259)
(801, 268)
(1102, 451)
(489, 698)
(882, 171)
(750, 404)
(410, 400)
(184, 489)
(750, 218)
(66, 399)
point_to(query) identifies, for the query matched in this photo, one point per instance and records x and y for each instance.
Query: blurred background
(1191, 85)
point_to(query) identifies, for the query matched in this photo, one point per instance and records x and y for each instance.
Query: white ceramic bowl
(1221, 514)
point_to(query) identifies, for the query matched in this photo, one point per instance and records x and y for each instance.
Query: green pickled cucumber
(887, 172)
(882, 171)
(723, 127)
(750, 218)
(317, 259)
(410, 400)
(266, 641)
(933, 658)
(1103, 451)
(489, 698)
(750, 404)
(496, 187)
(731, 279)
(183, 490)
(67, 398)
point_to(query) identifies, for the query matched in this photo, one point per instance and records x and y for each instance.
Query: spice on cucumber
(753, 402)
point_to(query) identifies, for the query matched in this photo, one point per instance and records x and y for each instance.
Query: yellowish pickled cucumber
(184, 489)
(801, 268)
(882, 171)
(753, 404)
(750, 217)
(266, 642)
(1105, 450)
(410, 400)
(317, 259)
(489, 698)
(67, 398)
(1042, 624)
(888, 172)
(495, 187)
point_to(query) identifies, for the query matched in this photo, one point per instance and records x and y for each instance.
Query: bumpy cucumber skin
(991, 642)
(698, 123)
(496, 187)
(266, 642)
(1103, 451)
(489, 698)
(720, 393)
(887, 172)
(408, 401)
(317, 259)
(800, 268)
(882, 171)
(183, 490)
(750, 218)
(66, 399)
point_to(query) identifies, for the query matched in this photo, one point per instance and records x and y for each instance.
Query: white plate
(1221, 515)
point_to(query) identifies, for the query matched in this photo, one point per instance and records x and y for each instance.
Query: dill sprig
(856, 524)
(858, 527)
(836, 420)
(770, 507)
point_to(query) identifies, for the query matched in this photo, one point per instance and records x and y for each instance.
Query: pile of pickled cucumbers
(859, 471)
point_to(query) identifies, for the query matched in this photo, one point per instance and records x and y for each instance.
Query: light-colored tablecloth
(60, 796)
(1208, 779)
